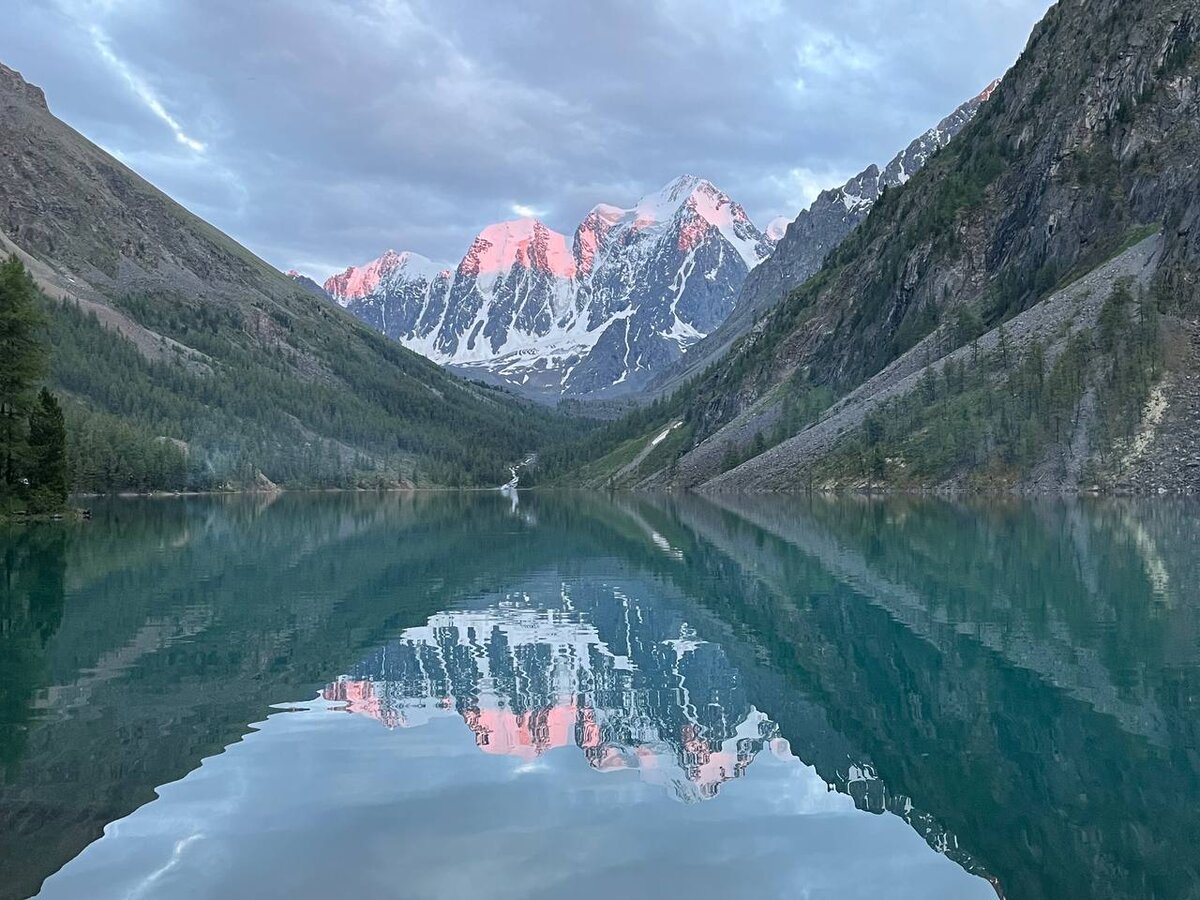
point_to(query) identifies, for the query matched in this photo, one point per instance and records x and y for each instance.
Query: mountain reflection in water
(588, 666)
(876, 698)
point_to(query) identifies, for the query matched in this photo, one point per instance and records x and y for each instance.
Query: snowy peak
(525, 243)
(776, 229)
(663, 205)
(694, 206)
(358, 282)
(592, 234)
(551, 315)
(709, 208)
(689, 196)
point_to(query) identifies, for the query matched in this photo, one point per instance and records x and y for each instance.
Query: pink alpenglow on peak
(685, 190)
(988, 91)
(521, 242)
(591, 233)
(360, 281)
(598, 310)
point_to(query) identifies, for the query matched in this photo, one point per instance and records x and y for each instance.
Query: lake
(584, 696)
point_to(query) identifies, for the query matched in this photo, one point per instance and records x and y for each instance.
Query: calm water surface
(584, 697)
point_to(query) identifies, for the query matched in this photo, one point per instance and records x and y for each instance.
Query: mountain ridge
(165, 332)
(619, 311)
(812, 235)
(1084, 151)
(595, 314)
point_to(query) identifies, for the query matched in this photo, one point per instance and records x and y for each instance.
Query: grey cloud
(333, 130)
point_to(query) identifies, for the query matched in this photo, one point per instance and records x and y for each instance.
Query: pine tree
(48, 455)
(22, 362)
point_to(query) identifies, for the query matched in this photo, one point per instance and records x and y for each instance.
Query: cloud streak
(142, 90)
(321, 133)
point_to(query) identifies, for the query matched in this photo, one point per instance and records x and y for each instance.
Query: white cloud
(527, 212)
(799, 187)
(143, 91)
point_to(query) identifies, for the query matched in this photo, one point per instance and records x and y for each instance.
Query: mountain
(1021, 313)
(308, 284)
(581, 666)
(186, 361)
(802, 245)
(595, 316)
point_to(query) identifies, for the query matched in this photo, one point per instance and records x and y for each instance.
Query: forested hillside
(1086, 150)
(184, 361)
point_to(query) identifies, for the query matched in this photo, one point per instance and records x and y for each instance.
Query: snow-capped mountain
(805, 243)
(614, 310)
(570, 668)
(597, 315)
(802, 245)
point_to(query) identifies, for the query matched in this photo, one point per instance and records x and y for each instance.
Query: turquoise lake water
(584, 696)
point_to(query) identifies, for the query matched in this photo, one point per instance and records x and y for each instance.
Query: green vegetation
(993, 418)
(33, 465)
(802, 404)
(184, 421)
(1130, 339)
(216, 405)
(609, 447)
(47, 470)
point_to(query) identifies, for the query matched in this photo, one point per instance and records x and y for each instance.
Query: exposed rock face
(1164, 454)
(11, 82)
(1094, 130)
(837, 212)
(594, 316)
(803, 246)
(1089, 142)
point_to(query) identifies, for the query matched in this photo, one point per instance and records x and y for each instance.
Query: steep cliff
(1086, 148)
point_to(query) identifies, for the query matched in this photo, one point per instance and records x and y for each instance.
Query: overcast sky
(322, 132)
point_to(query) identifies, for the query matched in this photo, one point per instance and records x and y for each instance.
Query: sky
(320, 133)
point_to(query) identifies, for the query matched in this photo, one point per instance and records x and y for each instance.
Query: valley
(672, 343)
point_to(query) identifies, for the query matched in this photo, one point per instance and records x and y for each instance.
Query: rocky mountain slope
(1086, 149)
(308, 284)
(173, 334)
(597, 315)
(802, 247)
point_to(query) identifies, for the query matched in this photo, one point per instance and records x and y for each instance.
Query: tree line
(33, 433)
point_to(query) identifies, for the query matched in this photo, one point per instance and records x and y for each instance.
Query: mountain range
(186, 361)
(616, 308)
(596, 314)
(1010, 304)
(1021, 313)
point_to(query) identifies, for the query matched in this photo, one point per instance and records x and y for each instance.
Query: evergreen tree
(22, 362)
(48, 455)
